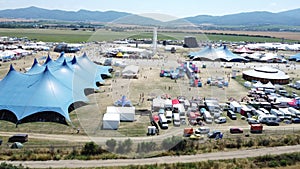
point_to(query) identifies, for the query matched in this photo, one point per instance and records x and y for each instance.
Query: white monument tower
(154, 40)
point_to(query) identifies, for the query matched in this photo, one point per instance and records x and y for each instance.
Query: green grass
(70, 36)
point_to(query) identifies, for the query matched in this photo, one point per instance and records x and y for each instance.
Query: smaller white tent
(126, 113)
(258, 85)
(247, 84)
(130, 71)
(269, 85)
(111, 121)
(158, 103)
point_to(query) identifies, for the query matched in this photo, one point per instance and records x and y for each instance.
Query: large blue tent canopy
(295, 57)
(51, 87)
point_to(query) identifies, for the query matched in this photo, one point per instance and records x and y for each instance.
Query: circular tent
(265, 75)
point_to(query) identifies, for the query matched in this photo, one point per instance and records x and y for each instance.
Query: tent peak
(64, 62)
(48, 59)
(74, 60)
(11, 68)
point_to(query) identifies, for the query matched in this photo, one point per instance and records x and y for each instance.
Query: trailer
(235, 107)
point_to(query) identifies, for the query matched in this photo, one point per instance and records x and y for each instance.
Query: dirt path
(158, 160)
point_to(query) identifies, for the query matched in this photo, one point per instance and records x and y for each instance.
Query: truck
(163, 123)
(235, 107)
(244, 110)
(176, 119)
(256, 128)
(187, 132)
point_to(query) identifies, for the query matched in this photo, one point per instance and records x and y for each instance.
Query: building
(190, 42)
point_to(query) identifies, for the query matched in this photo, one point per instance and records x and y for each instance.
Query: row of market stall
(240, 55)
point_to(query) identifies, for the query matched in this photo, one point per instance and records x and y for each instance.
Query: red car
(236, 130)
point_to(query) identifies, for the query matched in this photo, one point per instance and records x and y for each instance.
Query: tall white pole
(154, 40)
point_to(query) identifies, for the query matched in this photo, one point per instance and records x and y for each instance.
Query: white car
(202, 130)
(220, 120)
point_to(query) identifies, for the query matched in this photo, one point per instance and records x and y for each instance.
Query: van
(294, 111)
(267, 118)
(202, 130)
(264, 110)
(169, 116)
(286, 113)
(163, 121)
(207, 117)
(278, 114)
(231, 114)
(176, 119)
(22, 138)
(259, 113)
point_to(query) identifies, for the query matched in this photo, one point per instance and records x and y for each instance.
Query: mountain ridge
(290, 17)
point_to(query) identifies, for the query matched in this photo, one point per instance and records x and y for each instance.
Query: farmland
(77, 36)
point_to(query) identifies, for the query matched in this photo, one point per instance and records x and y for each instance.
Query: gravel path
(158, 160)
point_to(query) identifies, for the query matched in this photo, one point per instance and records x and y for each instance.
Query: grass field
(72, 36)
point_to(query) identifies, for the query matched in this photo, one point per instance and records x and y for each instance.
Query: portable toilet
(199, 84)
(208, 81)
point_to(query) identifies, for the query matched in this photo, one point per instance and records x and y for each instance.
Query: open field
(77, 36)
(88, 118)
(286, 35)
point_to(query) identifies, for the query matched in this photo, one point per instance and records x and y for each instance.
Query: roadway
(158, 160)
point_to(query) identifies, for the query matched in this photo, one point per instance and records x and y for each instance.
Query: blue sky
(176, 8)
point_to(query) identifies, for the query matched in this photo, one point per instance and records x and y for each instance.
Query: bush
(273, 164)
(111, 144)
(283, 163)
(10, 166)
(91, 148)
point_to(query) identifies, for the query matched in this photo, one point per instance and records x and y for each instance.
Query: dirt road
(158, 160)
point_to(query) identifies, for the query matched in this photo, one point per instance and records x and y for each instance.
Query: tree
(111, 144)
(128, 145)
(90, 148)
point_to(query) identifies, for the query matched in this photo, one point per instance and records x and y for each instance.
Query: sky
(172, 8)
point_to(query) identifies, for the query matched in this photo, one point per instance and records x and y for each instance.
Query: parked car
(231, 115)
(22, 138)
(252, 121)
(236, 130)
(272, 123)
(215, 134)
(220, 120)
(196, 137)
(202, 130)
(296, 120)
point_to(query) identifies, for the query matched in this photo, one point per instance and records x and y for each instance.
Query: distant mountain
(289, 18)
(81, 15)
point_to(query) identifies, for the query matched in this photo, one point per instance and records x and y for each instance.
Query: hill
(291, 18)
(259, 18)
(81, 15)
